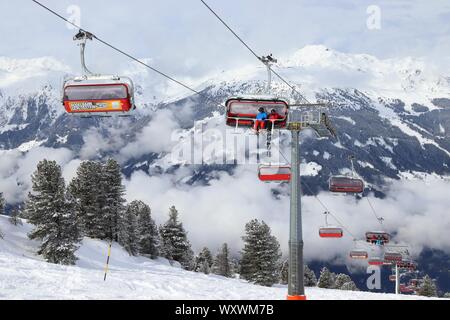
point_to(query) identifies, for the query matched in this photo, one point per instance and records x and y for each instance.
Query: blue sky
(183, 38)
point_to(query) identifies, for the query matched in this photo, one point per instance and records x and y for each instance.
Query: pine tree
(326, 279)
(341, 279)
(235, 265)
(344, 282)
(310, 277)
(284, 272)
(87, 188)
(175, 245)
(148, 236)
(127, 235)
(260, 255)
(222, 265)
(114, 198)
(427, 288)
(349, 286)
(447, 295)
(14, 218)
(51, 210)
(204, 261)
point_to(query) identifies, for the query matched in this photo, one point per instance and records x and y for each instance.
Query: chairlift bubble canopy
(376, 261)
(392, 256)
(406, 264)
(274, 172)
(242, 111)
(331, 232)
(346, 184)
(375, 237)
(98, 95)
(359, 254)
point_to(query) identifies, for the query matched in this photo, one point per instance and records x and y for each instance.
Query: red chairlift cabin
(406, 264)
(98, 95)
(274, 173)
(331, 232)
(359, 254)
(393, 256)
(241, 112)
(376, 261)
(406, 289)
(343, 184)
(378, 237)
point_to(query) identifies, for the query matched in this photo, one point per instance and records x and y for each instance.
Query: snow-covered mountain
(24, 275)
(393, 115)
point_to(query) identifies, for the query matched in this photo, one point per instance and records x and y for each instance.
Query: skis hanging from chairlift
(94, 94)
(329, 231)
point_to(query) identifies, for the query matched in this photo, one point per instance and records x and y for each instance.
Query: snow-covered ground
(23, 275)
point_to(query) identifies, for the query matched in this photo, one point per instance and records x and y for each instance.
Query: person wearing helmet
(260, 122)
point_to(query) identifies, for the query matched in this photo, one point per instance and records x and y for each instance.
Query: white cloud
(217, 213)
(16, 170)
(155, 137)
(415, 211)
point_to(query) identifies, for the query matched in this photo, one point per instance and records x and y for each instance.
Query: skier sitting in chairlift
(379, 241)
(273, 116)
(260, 122)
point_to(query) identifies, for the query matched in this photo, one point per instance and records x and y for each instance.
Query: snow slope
(23, 275)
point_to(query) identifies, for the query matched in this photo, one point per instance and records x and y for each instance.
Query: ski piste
(101, 173)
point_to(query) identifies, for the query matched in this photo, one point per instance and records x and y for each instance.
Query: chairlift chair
(407, 265)
(98, 95)
(376, 261)
(344, 184)
(242, 112)
(94, 94)
(329, 231)
(359, 254)
(391, 256)
(377, 237)
(274, 173)
(347, 184)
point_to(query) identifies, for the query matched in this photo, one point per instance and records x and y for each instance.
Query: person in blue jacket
(260, 122)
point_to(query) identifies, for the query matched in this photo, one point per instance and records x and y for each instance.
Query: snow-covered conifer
(260, 255)
(222, 264)
(174, 243)
(51, 210)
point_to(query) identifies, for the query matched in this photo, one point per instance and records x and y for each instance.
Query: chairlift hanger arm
(126, 54)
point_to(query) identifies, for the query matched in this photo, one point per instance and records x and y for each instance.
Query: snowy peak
(13, 71)
(406, 78)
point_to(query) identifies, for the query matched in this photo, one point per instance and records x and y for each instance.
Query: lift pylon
(300, 118)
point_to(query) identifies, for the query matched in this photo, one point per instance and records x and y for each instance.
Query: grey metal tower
(301, 117)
